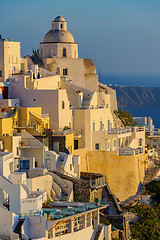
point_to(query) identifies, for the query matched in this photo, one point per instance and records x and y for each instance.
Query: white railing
(45, 115)
(78, 133)
(90, 107)
(129, 151)
(62, 132)
(119, 131)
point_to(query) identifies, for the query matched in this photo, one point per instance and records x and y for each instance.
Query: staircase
(112, 209)
(151, 175)
(18, 227)
(61, 187)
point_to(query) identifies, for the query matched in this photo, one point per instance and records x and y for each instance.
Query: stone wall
(96, 193)
(123, 173)
(121, 222)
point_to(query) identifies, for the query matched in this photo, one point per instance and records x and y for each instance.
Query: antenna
(99, 77)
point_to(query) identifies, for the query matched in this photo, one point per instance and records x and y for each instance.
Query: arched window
(64, 52)
(61, 26)
(63, 105)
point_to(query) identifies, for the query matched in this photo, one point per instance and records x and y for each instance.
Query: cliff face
(137, 96)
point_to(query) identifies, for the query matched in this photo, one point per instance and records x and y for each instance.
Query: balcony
(129, 151)
(30, 143)
(62, 132)
(45, 115)
(25, 124)
(99, 182)
(120, 132)
(78, 133)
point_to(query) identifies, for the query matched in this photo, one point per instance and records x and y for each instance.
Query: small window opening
(97, 146)
(63, 105)
(65, 72)
(64, 52)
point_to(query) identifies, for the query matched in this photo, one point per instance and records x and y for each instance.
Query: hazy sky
(121, 36)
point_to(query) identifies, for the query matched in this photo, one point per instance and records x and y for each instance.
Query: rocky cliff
(138, 96)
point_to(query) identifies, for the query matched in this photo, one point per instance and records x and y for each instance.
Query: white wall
(8, 221)
(85, 233)
(35, 227)
(6, 164)
(18, 177)
(31, 204)
(41, 183)
(51, 156)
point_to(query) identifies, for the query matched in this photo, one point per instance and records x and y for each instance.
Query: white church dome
(62, 36)
(59, 32)
(59, 19)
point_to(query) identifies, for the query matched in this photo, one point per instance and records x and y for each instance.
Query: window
(65, 71)
(94, 126)
(25, 164)
(101, 125)
(70, 167)
(58, 71)
(75, 144)
(17, 151)
(97, 146)
(63, 105)
(140, 142)
(0, 73)
(64, 52)
(61, 26)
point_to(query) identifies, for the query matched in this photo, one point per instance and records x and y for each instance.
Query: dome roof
(55, 36)
(59, 19)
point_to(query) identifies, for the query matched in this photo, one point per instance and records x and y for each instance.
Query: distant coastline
(132, 80)
(139, 95)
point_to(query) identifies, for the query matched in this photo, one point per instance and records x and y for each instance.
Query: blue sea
(150, 80)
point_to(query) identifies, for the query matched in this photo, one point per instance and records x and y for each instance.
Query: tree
(153, 188)
(35, 53)
(125, 117)
(148, 225)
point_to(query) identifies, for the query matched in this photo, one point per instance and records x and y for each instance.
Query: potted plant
(21, 143)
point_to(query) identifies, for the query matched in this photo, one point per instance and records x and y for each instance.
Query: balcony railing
(25, 124)
(119, 131)
(78, 133)
(45, 115)
(130, 151)
(62, 132)
(30, 142)
(99, 182)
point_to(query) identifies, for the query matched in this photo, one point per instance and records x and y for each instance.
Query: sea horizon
(132, 80)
